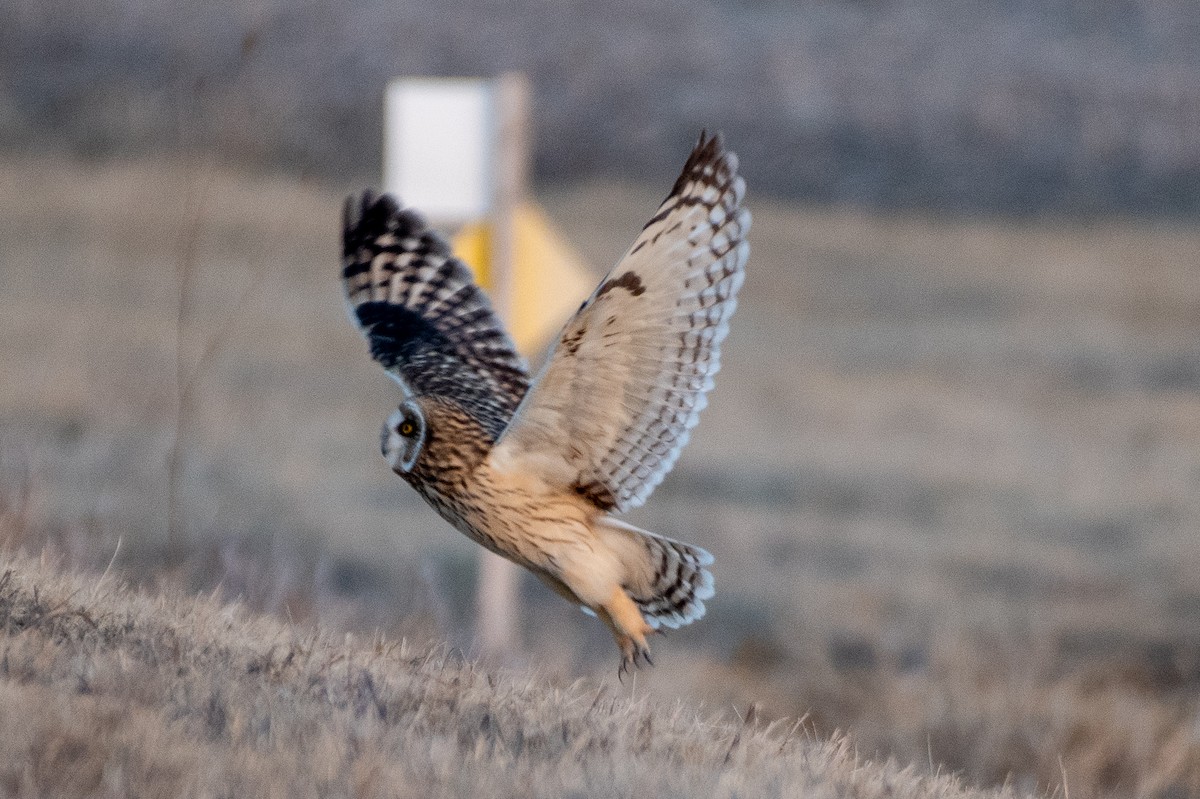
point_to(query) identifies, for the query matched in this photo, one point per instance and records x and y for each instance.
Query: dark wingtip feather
(368, 215)
(358, 222)
(709, 149)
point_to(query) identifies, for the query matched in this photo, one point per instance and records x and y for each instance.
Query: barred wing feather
(426, 321)
(616, 401)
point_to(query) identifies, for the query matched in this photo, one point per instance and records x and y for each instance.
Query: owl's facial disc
(403, 437)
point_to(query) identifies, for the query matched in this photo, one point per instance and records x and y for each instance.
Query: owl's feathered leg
(620, 615)
(623, 618)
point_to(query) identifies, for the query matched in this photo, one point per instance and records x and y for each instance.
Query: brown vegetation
(107, 692)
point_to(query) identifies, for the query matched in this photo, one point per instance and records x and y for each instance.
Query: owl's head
(403, 437)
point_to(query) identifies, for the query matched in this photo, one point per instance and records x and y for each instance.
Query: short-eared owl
(532, 468)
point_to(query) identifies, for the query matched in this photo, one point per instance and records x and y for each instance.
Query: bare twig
(184, 396)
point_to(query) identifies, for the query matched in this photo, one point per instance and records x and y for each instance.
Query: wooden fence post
(497, 601)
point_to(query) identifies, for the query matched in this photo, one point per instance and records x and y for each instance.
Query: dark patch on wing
(397, 334)
(600, 495)
(572, 341)
(628, 281)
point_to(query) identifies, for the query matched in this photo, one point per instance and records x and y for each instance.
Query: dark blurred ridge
(1016, 107)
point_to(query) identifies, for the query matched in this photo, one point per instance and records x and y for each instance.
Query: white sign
(438, 137)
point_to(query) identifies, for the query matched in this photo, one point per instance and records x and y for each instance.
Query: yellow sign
(549, 281)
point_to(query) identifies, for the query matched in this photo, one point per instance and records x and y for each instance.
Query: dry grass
(949, 471)
(108, 692)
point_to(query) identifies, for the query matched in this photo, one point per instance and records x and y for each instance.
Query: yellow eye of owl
(407, 429)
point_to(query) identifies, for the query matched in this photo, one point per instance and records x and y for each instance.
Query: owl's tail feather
(666, 578)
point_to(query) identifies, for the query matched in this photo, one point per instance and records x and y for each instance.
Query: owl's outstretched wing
(427, 322)
(616, 401)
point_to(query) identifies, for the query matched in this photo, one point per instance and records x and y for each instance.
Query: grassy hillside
(108, 692)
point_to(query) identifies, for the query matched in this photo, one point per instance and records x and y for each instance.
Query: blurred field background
(950, 471)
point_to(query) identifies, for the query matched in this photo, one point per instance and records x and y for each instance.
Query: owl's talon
(633, 654)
